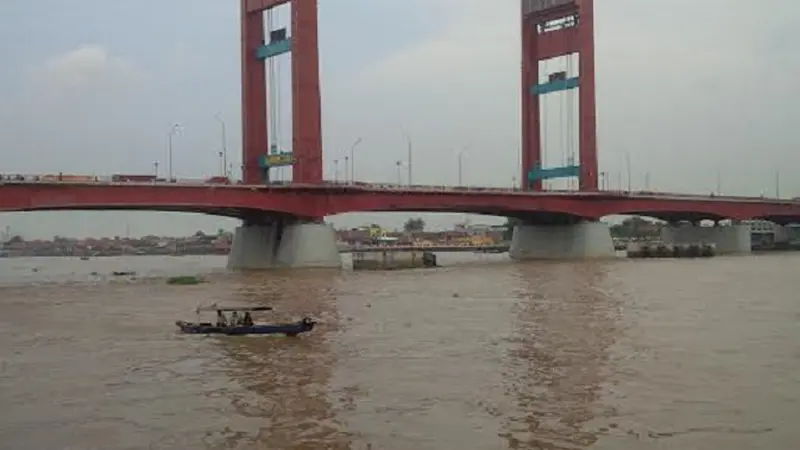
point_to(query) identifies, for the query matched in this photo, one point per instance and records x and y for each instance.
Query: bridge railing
(104, 179)
(377, 187)
(603, 193)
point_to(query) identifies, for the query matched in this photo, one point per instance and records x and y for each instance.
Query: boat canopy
(234, 308)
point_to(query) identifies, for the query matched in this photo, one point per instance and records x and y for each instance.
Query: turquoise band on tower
(555, 86)
(556, 172)
(274, 49)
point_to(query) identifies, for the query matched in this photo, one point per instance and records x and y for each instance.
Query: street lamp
(461, 165)
(353, 159)
(224, 152)
(223, 162)
(410, 146)
(155, 168)
(335, 170)
(173, 130)
(628, 164)
(399, 174)
(346, 169)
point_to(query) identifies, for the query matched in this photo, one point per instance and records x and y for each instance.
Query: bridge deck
(333, 186)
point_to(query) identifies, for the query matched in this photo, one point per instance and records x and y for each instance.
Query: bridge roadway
(283, 226)
(330, 198)
(382, 187)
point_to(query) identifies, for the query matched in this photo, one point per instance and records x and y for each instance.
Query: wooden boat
(289, 329)
(225, 326)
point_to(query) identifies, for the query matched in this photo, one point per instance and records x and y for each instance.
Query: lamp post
(155, 168)
(346, 169)
(335, 170)
(173, 130)
(461, 166)
(353, 159)
(399, 174)
(410, 146)
(628, 164)
(224, 152)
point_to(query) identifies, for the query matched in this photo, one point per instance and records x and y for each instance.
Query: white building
(760, 229)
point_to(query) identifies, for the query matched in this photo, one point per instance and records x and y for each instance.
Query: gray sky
(686, 88)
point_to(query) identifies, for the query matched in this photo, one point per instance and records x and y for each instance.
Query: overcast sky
(686, 88)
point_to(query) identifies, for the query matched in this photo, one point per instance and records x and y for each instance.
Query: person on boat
(221, 322)
(247, 320)
(235, 321)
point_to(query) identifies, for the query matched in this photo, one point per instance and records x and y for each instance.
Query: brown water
(480, 354)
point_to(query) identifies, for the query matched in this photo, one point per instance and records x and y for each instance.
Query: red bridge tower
(551, 29)
(302, 42)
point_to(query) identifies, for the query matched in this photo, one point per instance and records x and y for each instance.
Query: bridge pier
(284, 244)
(583, 240)
(728, 240)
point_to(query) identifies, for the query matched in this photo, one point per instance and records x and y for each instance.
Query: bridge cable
(279, 113)
(571, 114)
(543, 117)
(570, 125)
(273, 85)
(562, 111)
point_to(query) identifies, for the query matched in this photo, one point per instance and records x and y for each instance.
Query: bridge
(283, 223)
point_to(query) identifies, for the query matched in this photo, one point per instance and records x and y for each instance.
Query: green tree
(414, 225)
(635, 227)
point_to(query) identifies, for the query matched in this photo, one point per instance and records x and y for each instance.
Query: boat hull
(289, 329)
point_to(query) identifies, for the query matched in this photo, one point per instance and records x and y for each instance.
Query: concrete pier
(584, 240)
(297, 244)
(727, 240)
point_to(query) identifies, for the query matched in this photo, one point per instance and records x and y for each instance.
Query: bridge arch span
(780, 219)
(675, 216)
(538, 209)
(242, 203)
(674, 210)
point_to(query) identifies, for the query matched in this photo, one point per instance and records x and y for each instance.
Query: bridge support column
(288, 245)
(732, 239)
(584, 240)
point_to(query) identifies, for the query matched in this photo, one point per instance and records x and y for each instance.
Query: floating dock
(661, 250)
(393, 260)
